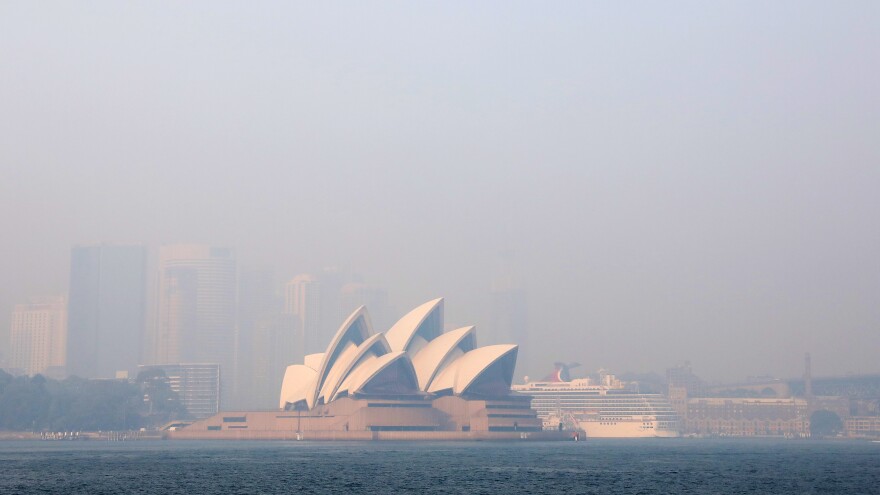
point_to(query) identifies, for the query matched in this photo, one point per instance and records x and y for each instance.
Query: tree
(768, 392)
(75, 404)
(24, 403)
(824, 423)
(161, 404)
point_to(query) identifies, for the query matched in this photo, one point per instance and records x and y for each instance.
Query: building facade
(197, 385)
(106, 310)
(303, 302)
(267, 338)
(38, 333)
(716, 416)
(683, 377)
(197, 309)
(862, 427)
(508, 307)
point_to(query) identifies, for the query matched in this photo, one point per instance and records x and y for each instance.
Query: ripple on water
(636, 466)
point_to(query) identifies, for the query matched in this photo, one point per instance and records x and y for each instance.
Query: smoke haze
(665, 182)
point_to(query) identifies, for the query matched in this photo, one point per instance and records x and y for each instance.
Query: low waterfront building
(863, 426)
(197, 385)
(788, 417)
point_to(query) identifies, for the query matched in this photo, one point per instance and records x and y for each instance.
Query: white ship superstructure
(603, 409)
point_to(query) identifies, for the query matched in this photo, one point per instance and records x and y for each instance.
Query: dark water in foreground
(598, 466)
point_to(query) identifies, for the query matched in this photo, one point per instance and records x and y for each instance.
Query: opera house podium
(413, 382)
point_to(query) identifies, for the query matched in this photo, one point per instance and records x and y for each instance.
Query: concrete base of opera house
(443, 418)
(371, 435)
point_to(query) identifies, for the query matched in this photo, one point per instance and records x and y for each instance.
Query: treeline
(74, 404)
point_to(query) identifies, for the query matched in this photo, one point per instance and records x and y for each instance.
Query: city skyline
(267, 327)
(294, 246)
(671, 182)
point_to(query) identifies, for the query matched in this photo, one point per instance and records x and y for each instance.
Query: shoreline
(105, 436)
(129, 436)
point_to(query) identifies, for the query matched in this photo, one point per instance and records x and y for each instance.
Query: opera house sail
(413, 381)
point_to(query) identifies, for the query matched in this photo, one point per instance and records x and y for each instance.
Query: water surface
(597, 466)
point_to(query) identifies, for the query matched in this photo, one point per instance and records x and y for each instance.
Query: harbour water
(643, 466)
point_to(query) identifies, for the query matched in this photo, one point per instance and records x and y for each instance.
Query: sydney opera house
(414, 381)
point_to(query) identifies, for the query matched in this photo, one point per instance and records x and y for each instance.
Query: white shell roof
(449, 362)
(354, 331)
(298, 384)
(338, 369)
(356, 376)
(375, 345)
(373, 368)
(462, 372)
(314, 361)
(429, 360)
(400, 335)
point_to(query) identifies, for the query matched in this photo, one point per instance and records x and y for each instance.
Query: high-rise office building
(38, 334)
(255, 298)
(683, 377)
(332, 278)
(508, 315)
(303, 302)
(197, 301)
(266, 340)
(106, 309)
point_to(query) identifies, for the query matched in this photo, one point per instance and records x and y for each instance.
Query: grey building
(197, 306)
(197, 385)
(267, 341)
(509, 315)
(106, 309)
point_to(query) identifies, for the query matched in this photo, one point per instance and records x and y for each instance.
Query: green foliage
(74, 404)
(825, 424)
(161, 403)
(24, 403)
(768, 392)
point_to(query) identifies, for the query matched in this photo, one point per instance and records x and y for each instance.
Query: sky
(671, 181)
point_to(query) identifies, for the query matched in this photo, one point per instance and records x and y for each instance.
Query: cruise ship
(607, 408)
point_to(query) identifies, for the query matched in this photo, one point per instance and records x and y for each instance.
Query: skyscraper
(508, 316)
(333, 279)
(38, 332)
(196, 322)
(266, 340)
(303, 301)
(106, 309)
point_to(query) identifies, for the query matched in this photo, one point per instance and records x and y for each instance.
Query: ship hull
(635, 428)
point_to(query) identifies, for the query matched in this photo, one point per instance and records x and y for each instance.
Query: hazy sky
(675, 180)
